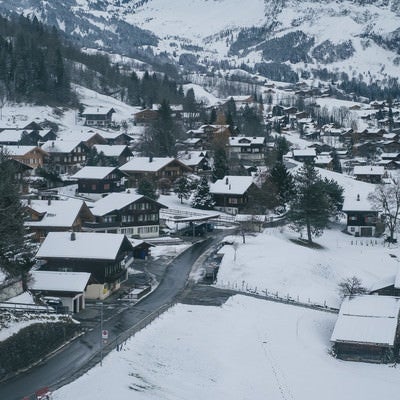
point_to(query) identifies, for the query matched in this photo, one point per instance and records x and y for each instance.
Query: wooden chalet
(362, 218)
(127, 213)
(19, 137)
(145, 117)
(153, 168)
(99, 180)
(367, 329)
(250, 149)
(66, 156)
(44, 216)
(232, 193)
(304, 155)
(198, 160)
(369, 173)
(117, 154)
(106, 256)
(98, 116)
(116, 138)
(33, 156)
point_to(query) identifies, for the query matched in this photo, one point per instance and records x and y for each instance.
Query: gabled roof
(357, 202)
(12, 135)
(231, 184)
(110, 150)
(369, 170)
(246, 140)
(148, 164)
(59, 213)
(367, 319)
(310, 152)
(93, 172)
(117, 201)
(60, 146)
(192, 158)
(97, 111)
(21, 150)
(87, 245)
(57, 281)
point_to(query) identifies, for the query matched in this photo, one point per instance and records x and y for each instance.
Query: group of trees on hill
(32, 66)
(38, 65)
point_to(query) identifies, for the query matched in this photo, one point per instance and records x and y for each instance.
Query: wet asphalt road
(75, 358)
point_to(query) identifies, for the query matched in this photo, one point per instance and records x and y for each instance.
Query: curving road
(79, 355)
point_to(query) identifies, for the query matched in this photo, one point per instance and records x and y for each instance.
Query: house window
(106, 186)
(352, 218)
(94, 187)
(233, 200)
(352, 229)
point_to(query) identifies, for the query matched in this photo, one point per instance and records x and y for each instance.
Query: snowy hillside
(357, 37)
(246, 349)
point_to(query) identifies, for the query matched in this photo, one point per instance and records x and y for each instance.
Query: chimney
(150, 159)
(52, 143)
(229, 186)
(73, 236)
(226, 180)
(358, 197)
(49, 201)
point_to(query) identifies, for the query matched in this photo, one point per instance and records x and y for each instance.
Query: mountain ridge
(358, 37)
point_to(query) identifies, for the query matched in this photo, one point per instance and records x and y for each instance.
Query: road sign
(104, 334)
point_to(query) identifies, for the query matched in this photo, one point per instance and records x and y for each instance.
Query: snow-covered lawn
(272, 261)
(246, 349)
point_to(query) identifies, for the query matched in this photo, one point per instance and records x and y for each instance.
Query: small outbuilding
(367, 329)
(69, 287)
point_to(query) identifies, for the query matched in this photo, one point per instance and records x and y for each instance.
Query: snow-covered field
(246, 349)
(272, 261)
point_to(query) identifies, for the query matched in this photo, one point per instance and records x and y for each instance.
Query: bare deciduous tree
(351, 286)
(386, 198)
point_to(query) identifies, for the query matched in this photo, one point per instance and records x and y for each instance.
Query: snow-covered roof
(114, 201)
(110, 151)
(59, 281)
(61, 146)
(367, 319)
(322, 160)
(249, 218)
(191, 158)
(89, 172)
(59, 213)
(357, 202)
(97, 111)
(146, 164)
(304, 153)
(12, 135)
(246, 140)
(368, 170)
(18, 150)
(90, 245)
(231, 184)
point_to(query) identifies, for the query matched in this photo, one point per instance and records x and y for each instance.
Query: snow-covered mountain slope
(352, 36)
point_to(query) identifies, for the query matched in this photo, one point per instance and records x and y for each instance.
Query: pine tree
(202, 198)
(12, 232)
(182, 188)
(220, 166)
(283, 182)
(315, 201)
(336, 165)
(147, 188)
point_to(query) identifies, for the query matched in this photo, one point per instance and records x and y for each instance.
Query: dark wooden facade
(109, 184)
